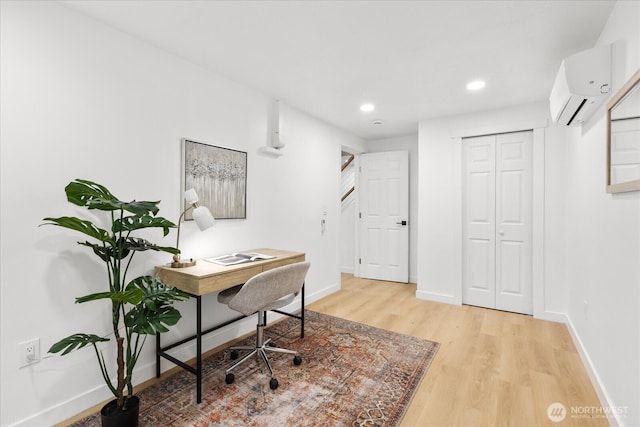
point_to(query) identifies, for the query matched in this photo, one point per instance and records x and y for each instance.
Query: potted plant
(139, 307)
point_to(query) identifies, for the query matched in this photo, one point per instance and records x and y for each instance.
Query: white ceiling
(412, 59)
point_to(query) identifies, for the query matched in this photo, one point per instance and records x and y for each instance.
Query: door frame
(494, 231)
(538, 128)
(356, 249)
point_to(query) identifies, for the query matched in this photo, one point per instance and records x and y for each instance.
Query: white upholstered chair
(269, 290)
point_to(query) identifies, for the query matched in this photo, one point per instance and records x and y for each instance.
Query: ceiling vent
(581, 82)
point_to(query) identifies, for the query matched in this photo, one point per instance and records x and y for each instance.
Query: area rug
(351, 375)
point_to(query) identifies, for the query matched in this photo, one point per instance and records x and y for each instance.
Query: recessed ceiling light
(367, 108)
(476, 85)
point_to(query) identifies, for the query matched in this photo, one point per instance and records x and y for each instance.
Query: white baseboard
(552, 316)
(432, 296)
(67, 409)
(601, 391)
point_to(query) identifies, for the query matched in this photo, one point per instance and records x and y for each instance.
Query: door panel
(478, 250)
(384, 245)
(510, 268)
(514, 194)
(480, 278)
(497, 213)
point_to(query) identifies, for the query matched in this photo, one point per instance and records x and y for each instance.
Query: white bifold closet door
(497, 213)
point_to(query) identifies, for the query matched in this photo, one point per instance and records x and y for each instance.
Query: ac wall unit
(581, 82)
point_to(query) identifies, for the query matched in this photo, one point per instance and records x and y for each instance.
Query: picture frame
(219, 177)
(623, 138)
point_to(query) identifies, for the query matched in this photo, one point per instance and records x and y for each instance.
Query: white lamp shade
(203, 218)
(190, 196)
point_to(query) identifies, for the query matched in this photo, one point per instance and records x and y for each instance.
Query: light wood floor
(493, 368)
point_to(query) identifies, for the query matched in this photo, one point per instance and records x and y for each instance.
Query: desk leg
(198, 349)
(302, 314)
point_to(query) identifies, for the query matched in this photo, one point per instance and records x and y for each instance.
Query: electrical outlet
(29, 352)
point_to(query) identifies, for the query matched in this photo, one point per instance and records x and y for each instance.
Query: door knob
(402, 223)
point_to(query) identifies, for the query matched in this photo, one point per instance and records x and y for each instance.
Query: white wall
(591, 238)
(81, 100)
(406, 143)
(603, 240)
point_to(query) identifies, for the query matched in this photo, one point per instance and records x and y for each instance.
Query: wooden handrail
(348, 192)
(345, 164)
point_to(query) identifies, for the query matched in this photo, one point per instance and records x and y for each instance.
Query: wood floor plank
(493, 368)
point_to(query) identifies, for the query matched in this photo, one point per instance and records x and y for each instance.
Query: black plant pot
(112, 416)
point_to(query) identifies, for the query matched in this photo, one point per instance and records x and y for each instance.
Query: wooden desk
(206, 277)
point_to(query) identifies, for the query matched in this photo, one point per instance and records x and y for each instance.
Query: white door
(479, 223)
(384, 215)
(497, 216)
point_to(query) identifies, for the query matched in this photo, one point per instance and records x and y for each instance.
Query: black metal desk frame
(197, 370)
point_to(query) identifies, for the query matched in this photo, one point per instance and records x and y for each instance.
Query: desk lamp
(203, 218)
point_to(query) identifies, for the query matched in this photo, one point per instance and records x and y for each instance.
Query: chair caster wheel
(273, 384)
(297, 360)
(234, 354)
(229, 378)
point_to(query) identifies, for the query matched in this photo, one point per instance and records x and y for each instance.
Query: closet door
(497, 215)
(479, 221)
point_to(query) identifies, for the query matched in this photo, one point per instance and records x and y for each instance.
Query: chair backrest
(264, 289)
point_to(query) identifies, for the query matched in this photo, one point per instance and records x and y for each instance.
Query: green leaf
(75, 341)
(129, 296)
(95, 196)
(155, 290)
(144, 220)
(93, 297)
(91, 195)
(124, 246)
(145, 321)
(154, 313)
(107, 253)
(169, 249)
(139, 244)
(141, 208)
(82, 226)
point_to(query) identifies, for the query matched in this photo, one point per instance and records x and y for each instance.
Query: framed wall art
(219, 176)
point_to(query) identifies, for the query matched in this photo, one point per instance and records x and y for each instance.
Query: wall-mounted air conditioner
(581, 82)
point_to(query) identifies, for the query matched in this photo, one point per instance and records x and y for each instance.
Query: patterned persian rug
(351, 375)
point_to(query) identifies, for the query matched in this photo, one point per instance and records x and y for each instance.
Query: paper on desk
(239, 258)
